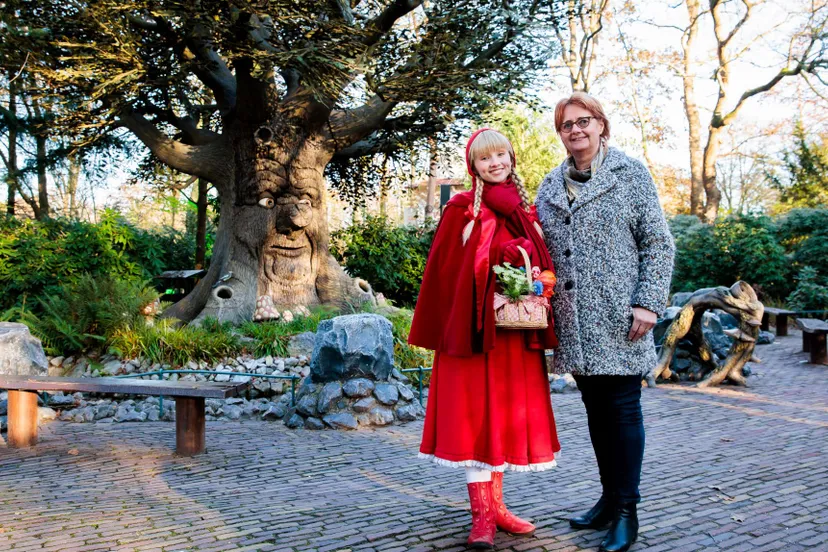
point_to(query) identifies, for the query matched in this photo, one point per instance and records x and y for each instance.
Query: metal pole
(293, 391)
(420, 383)
(161, 398)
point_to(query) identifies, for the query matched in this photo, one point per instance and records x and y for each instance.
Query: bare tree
(577, 31)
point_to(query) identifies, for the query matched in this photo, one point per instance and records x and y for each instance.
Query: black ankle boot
(624, 529)
(601, 514)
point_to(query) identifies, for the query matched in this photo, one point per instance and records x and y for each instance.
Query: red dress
(489, 403)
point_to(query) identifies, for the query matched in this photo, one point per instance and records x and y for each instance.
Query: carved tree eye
(267, 202)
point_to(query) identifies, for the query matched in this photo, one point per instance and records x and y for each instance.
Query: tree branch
(382, 23)
(206, 161)
(347, 126)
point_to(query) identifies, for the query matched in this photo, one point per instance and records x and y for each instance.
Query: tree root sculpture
(741, 302)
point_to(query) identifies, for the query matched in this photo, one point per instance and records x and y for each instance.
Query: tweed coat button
(569, 285)
(568, 253)
(568, 220)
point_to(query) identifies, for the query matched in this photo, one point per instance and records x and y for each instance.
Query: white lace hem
(482, 465)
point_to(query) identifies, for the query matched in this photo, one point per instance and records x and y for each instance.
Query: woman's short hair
(584, 100)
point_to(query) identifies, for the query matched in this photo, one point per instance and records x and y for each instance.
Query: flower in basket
(537, 287)
(512, 280)
(548, 279)
(536, 272)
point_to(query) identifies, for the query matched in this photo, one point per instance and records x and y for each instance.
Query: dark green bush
(38, 257)
(391, 258)
(765, 252)
(84, 314)
(811, 292)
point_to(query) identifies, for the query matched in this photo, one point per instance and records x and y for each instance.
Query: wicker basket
(530, 312)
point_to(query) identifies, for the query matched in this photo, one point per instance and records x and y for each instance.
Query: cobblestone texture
(725, 469)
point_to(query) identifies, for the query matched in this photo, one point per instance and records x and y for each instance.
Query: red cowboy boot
(506, 520)
(483, 516)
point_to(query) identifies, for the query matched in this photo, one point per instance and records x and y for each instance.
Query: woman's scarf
(575, 179)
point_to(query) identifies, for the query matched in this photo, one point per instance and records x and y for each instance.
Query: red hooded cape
(454, 312)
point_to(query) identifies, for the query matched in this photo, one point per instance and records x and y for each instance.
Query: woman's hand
(643, 322)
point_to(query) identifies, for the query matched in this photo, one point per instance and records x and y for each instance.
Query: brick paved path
(725, 469)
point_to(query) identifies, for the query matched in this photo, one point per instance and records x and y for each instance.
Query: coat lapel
(602, 182)
(556, 193)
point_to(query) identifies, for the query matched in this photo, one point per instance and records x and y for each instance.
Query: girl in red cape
(489, 405)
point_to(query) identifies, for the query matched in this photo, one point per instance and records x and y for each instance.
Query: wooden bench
(189, 403)
(781, 316)
(813, 339)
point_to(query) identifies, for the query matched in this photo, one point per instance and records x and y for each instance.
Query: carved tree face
(740, 301)
(284, 199)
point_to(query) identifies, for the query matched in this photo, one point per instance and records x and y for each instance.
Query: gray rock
(235, 400)
(301, 345)
(4, 407)
(409, 412)
(387, 393)
(714, 333)
(331, 392)
(274, 412)
(21, 354)
(125, 415)
(222, 377)
(56, 361)
(262, 385)
(381, 416)
(112, 367)
(340, 420)
(354, 345)
(358, 387)
(765, 338)
(295, 421)
(727, 320)
(153, 415)
(106, 410)
(680, 299)
(306, 387)
(232, 412)
(364, 404)
(558, 386)
(3, 426)
(405, 392)
(45, 414)
(314, 423)
(307, 405)
(680, 364)
(747, 370)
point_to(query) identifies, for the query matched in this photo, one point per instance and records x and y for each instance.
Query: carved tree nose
(300, 213)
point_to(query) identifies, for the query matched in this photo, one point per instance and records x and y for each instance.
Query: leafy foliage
(273, 337)
(807, 178)
(83, 314)
(811, 291)
(765, 252)
(512, 280)
(38, 258)
(391, 258)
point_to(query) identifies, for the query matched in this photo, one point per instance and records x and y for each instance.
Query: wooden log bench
(189, 403)
(813, 339)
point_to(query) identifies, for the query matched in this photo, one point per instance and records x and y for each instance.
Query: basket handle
(527, 264)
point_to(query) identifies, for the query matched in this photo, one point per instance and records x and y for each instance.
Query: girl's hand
(643, 322)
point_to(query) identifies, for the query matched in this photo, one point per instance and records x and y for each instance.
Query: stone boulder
(353, 346)
(21, 354)
(302, 345)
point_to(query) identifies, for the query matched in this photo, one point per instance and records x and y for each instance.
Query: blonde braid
(524, 195)
(478, 200)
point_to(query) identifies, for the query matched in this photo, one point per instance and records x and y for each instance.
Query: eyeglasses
(582, 122)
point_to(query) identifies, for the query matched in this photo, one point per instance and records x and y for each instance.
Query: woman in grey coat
(613, 254)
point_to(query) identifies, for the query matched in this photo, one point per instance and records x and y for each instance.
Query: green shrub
(166, 343)
(84, 313)
(735, 248)
(408, 356)
(811, 292)
(804, 234)
(273, 337)
(391, 258)
(37, 258)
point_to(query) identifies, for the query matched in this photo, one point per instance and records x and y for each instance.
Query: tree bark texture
(741, 302)
(691, 109)
(201, 224)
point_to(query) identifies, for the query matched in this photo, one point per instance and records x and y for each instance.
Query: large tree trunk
(11, 180)
(711, 189)
(72, 187)
(272, 240)
(201, 224)
(691, 110)
(431, 184)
